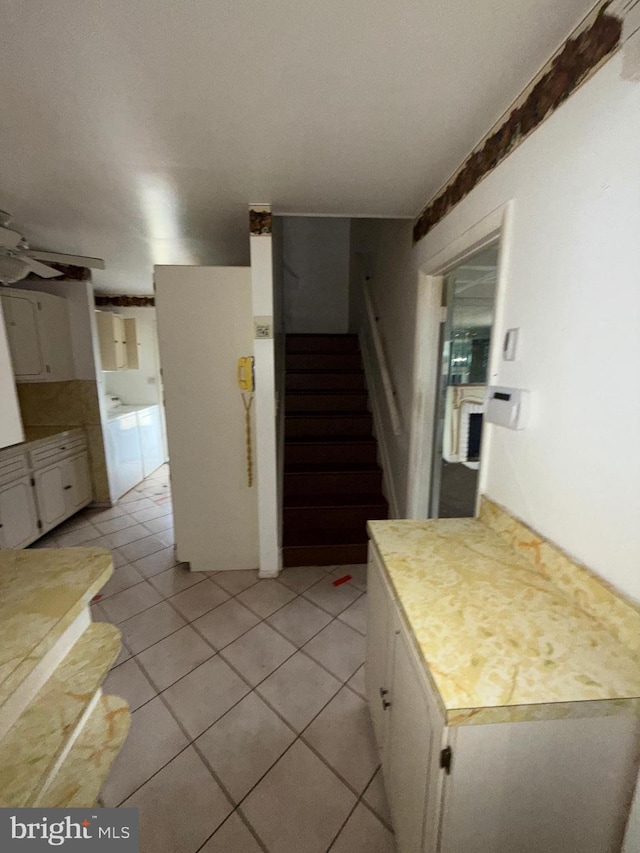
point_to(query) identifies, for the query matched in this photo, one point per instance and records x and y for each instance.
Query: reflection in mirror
(469, 296)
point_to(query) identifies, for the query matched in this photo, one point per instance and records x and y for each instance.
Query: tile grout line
(298, 736)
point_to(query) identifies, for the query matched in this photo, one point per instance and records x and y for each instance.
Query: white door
(412, 756)
(51, 495)
(205, 324)
(22, 330)
(76, 475)
(18, 518)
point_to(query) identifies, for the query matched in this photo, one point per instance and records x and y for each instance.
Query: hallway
(250, 730)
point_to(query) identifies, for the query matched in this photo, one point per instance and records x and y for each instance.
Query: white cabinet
(552, 785)
(39, 336)
(62, 489)
(118, 341)
(18, 515)
(50, 492)
(41, 485)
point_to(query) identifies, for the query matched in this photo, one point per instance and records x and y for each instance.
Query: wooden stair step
(337, 425)
(331, 468)
(336, 500)
(331, 482)
(326, 536)
(298, 451)
(322, 401)
(81, 776)
(322, 343)
(313, 380)
(340, 517)
(324, 555)
(34, 748)
(326, 361)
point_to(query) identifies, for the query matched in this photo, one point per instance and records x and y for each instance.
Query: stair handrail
(383, 365)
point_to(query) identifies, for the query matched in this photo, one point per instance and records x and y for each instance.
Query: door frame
(497, 225)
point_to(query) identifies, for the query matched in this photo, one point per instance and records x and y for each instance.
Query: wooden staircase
(332, 482)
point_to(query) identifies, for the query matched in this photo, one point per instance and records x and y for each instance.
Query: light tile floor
(250, 730)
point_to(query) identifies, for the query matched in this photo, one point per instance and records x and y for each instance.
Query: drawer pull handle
(383, 692)
(385, 704)
(64, 448)
(67, 487)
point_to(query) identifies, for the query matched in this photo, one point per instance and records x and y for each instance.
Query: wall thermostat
(507, 407)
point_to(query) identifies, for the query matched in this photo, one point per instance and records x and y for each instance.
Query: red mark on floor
(97, 597)
(342, 580)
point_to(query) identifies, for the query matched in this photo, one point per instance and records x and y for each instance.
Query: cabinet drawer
(13, 468)
(58, 449)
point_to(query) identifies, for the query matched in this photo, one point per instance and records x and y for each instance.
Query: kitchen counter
(31, 623)
(58, 733)
(34, 436)
(127, 410)
(501, 641)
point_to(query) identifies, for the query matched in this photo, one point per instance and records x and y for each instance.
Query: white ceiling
(138, 130)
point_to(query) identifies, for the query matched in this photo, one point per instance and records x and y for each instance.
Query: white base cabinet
(18, 514)
(558, 786)
(41, 486)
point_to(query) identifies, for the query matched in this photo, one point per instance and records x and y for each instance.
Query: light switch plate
(510, 346)
(262, 328)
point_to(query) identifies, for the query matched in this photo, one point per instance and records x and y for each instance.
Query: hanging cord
(247, 423)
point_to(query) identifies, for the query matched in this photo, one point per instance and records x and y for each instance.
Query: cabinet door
(22, 330)
(51, 495)
(107, 336)
(121, 342)
(77, 484)
(18, 517)
(55, 337)
(379, 642)
(411, 762)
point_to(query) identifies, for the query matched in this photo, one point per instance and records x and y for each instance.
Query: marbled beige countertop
(501, 641)
(30, 621)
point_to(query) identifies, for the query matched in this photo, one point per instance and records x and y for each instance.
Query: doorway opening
(468, 302)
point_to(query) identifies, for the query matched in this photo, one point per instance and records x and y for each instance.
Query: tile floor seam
(250, 829)
(319, 755)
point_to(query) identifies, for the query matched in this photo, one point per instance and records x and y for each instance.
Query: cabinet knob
(385, 704)
(383, 692)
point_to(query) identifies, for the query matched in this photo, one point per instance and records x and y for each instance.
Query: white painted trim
(425, 382)
(383, 367)
(388, 481)
(270, 560)
(497, 224)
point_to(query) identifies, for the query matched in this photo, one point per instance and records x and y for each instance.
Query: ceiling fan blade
(39, 269)
(9, 239)
(72, 260)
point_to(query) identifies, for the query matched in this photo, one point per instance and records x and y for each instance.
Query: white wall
(573, 288)
(315, 257)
